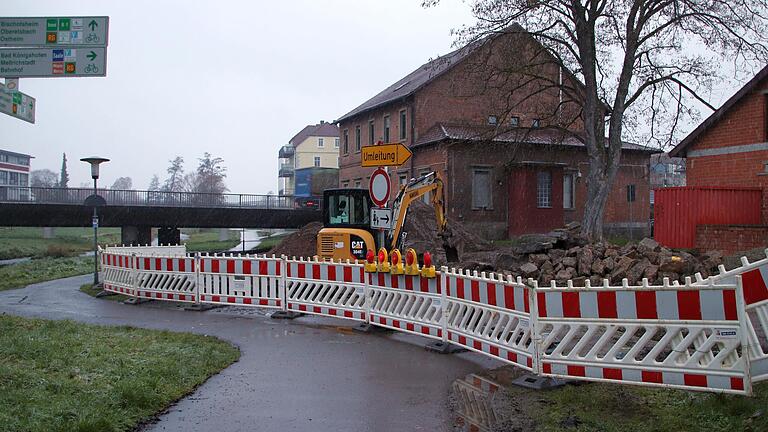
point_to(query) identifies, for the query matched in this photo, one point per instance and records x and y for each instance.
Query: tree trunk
(601, 176)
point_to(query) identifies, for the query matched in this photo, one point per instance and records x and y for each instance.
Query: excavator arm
(412, 191)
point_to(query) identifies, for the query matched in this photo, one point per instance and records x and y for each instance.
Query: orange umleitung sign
(385, 155)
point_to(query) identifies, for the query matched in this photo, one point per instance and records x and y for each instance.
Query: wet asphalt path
(310, 374)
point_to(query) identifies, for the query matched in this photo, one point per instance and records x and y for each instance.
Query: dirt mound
(421, 234)
(302, 243)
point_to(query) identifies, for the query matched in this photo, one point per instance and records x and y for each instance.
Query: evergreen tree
(64, 175)
(154, 184)
(175, 180)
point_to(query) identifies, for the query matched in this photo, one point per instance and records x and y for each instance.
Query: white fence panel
(412, 304)
(241, 280)
(326, 288)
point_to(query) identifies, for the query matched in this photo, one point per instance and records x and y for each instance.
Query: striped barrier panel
(754, 277)
(118, 273)
(242, 280)
(148, 250)
(326, 288)
(680, 336)
(412, 304)
(490, 315)
(166, 278)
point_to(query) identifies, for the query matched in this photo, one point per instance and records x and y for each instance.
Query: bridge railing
(701, 335)
(37, 195)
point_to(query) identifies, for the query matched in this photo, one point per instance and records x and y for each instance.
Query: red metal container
(677, 211)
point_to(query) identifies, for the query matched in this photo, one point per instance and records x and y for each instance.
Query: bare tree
(210, 175)
(43, 178)
(645, 66)
(154, 184)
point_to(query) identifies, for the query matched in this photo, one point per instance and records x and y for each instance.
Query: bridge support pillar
(168, 236)
(136, 235)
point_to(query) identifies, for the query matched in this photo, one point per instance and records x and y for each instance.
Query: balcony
(286, 151)
(286, 170)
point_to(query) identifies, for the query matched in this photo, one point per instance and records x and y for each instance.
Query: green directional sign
(54, 31)
(53, 62)
(17, 104)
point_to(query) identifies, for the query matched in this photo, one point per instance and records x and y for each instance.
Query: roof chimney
(322, 121)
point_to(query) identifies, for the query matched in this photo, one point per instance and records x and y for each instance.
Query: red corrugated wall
(678, 210)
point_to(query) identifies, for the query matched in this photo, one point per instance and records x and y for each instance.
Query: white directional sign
(381, 218)
(17, 104)
(53, 62)
(54, 31)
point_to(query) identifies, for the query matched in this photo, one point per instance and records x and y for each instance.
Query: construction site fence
(707, 334)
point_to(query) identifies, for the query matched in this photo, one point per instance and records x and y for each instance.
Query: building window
(317, 161)
(403, 179)
(24, 180)
(3, 178)
(14, 179)
(536, 123)
(336, 142)
(346, 141)
(371, 132)
(386, 128)
(320, 142)
(569, 191)
(492, 120)
(3, 158)
(631, 193)
(514, 121)
(358, 182)
(544, 189)
(481, 188)
(357, 138)
(402, 125)
(345, 184)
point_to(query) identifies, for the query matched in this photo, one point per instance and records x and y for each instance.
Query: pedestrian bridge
(137, 212)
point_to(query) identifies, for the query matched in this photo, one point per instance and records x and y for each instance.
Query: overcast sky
(234, 78)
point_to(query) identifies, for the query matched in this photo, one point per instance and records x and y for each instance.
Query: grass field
(43, 269)
(18, 242)
(66, 376)
(269, 242)
(610, 407)
(207, 240)
(91, 291)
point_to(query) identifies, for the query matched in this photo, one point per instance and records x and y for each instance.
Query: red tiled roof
(322, 129)
(543, 136)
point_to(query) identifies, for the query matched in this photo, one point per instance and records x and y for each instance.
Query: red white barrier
(326, 288)
(695, 336)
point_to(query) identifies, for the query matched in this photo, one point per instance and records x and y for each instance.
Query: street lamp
(95, 200)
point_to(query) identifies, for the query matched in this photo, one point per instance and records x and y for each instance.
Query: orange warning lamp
(428, 270)
(411, 264)
(370, 262)
(383, 260)
(397, 262)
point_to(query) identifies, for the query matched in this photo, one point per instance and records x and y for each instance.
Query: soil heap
(302, 243)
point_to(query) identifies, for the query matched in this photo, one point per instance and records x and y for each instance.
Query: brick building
(506, 145)
(730, 149)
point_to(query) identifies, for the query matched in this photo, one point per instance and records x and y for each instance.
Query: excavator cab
(346, 232)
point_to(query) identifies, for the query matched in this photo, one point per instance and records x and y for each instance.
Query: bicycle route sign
(54, 31)
(53, 62)
(17, 104)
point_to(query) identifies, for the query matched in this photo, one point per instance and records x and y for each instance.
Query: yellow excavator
(347, 234)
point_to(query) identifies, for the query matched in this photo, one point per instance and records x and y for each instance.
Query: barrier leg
(282, 287)
(443, 346)
(197, 306)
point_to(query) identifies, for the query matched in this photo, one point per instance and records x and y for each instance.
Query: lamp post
(95, 202)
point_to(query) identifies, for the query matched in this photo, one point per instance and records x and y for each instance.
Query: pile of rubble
(563, 255)
(302, 243)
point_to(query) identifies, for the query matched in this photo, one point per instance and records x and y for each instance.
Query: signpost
(385, 155)
(53, 62)
(17, 104)
(54, 31)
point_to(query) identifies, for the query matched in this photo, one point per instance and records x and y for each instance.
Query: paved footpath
(309, 374)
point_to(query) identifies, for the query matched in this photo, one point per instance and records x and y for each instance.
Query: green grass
(43, 269)
(18, 242)
(91, 291)
(269, 242)
(207, 240)
(621, 408)
(66, 376)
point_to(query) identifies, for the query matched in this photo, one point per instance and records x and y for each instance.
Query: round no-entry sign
(379, 187)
